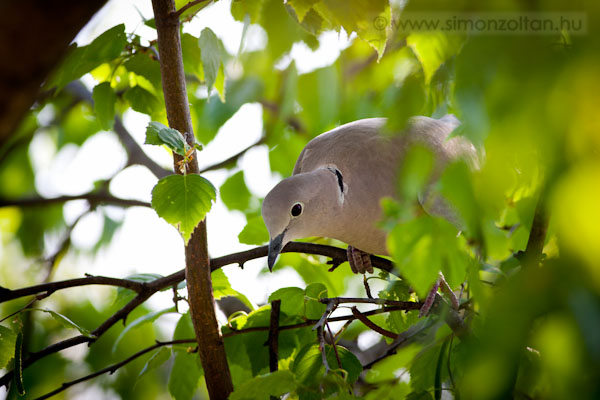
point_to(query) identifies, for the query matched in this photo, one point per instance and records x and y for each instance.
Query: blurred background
(527, 98)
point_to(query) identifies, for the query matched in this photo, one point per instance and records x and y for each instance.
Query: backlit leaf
(183, 201)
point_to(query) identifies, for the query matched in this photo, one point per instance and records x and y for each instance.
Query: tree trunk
(202, 304)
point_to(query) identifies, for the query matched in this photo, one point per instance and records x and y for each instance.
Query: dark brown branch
(93, 198)
(112, 368)
(49, 288)
(215, 263)
(273, 340)
(373, 326)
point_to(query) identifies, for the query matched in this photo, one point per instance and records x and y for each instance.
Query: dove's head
(300, 206)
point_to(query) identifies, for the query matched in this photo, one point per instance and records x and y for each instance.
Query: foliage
(527, 101)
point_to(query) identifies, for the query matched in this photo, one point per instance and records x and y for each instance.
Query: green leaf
(309, 369)
(144, 319)
(241, 8)
(104, 104)
(64, 321)
(186, 371)
(82, 60)
(184, 377)
(124, 294)
(292, 300)
(314, 309)
(142, 64)
(260, 387)
(255, 232)
(8, 339)
(433, 48)
(234, 192)
(210, 53)
(141, 100)
(301, 7)
(183, 201)
(158, 358)
(159, 134)
(222, 288)
(369, 19)
(190, 50)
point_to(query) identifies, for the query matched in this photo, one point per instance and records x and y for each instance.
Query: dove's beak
(275, 246)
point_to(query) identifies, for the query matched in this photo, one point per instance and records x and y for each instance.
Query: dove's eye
(296, 210)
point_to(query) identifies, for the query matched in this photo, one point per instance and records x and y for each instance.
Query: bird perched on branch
(341, 176)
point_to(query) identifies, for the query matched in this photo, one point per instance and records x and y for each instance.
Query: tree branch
(48, 288)
(92, 198)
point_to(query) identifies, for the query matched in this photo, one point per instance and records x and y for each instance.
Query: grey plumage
(341, 176)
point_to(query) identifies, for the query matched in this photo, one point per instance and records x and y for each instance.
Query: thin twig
(189, 5)
(93, 198)
(112, 368)
(373, 326)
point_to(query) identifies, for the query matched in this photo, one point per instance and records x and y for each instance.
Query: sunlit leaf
(141, 100)
(8, 339)
(255, 232)
(183, 201)
(234, 192)
(314, 309)
(210, 53)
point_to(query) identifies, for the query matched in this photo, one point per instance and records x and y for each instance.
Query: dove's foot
(359, 261)
(428, 303)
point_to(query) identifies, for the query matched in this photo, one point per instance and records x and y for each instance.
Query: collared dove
(341, 176)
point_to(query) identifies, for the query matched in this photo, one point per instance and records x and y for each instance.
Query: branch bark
(202, 304)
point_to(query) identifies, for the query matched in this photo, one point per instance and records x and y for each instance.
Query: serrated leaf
(159, 134)
(104, 104)
(210, 54)
(8, 339)
(301, 7)
(141, 100)
(183, 201)
(255, 232)
(369, 19)
(158, 358)
(144, 319)
(261, 387)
